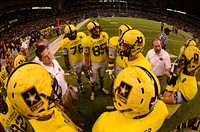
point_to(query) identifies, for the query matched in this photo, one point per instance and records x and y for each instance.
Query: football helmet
(135, 92)
(31, 90)
(20, 59)
(70, 31)
(92, 25)
(133, 40)
(94, 29)
(191, 58)
(190, 42)
(123, 28)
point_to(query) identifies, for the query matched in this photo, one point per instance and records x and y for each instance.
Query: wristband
(110, 64)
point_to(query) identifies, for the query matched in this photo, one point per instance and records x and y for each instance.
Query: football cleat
(92, 97)
(105, 91)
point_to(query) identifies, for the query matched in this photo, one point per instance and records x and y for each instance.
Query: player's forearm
(87, 59)
(66, 59)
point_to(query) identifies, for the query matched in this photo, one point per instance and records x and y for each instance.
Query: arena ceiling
(188, 6)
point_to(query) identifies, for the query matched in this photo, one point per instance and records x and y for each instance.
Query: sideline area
(55, 45)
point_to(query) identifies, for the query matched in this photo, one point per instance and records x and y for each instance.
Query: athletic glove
(111, 76)
(89, 71)
(173, 79)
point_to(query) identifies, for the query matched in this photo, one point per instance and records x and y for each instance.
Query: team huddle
(44, 102)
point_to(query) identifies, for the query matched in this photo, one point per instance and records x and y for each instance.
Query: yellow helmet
(135, 92)
(69, 29)
(70, 32)
(190, 42)
(123, 28)
(20, 59)
(31, 90)
(134, 39)
(192, 58)
(92, 25)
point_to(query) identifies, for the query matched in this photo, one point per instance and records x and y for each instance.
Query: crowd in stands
(11, 37)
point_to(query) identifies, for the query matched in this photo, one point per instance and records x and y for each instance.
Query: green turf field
(92, 109)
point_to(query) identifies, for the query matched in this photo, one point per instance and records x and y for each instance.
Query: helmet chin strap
(5, 108)
(137, 117)
(3, 104)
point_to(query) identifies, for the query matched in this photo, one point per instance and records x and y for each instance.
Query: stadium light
(176, 11)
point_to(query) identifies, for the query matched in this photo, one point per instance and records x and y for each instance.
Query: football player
(3, 75)
(115, 62)
(10, 119)
(182, 87)
(189, 42)
(73, 53)
(132, 43)
(136, 101)
(33, 92)
(176, 90)
(19, 59)
(95, 47)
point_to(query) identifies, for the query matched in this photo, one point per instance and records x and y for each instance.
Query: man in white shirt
(159, 59)
(53, 67)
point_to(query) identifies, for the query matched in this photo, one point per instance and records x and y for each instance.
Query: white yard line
(198, 82)
(172, 56)
(55, 45)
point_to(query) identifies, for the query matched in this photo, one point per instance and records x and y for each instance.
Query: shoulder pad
(113, 42)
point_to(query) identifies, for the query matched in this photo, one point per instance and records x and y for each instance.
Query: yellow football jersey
(187, 85)
(74, 47)
(114, 43)
(140, 61)
(4, 75)
(116, 122)
(172, 108)
(12, 120)
(97, 47)
(59, 122)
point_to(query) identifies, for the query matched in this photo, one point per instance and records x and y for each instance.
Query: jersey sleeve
(62, 43)
(86, 41)
(113, 42)
(81, 35)
(105, 35)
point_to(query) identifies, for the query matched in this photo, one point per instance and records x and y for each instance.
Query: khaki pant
(70, 109)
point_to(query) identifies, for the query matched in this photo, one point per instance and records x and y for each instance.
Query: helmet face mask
(135, 92)
(35, 97)
(126, 49)
(191, 57)
(72, 35)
